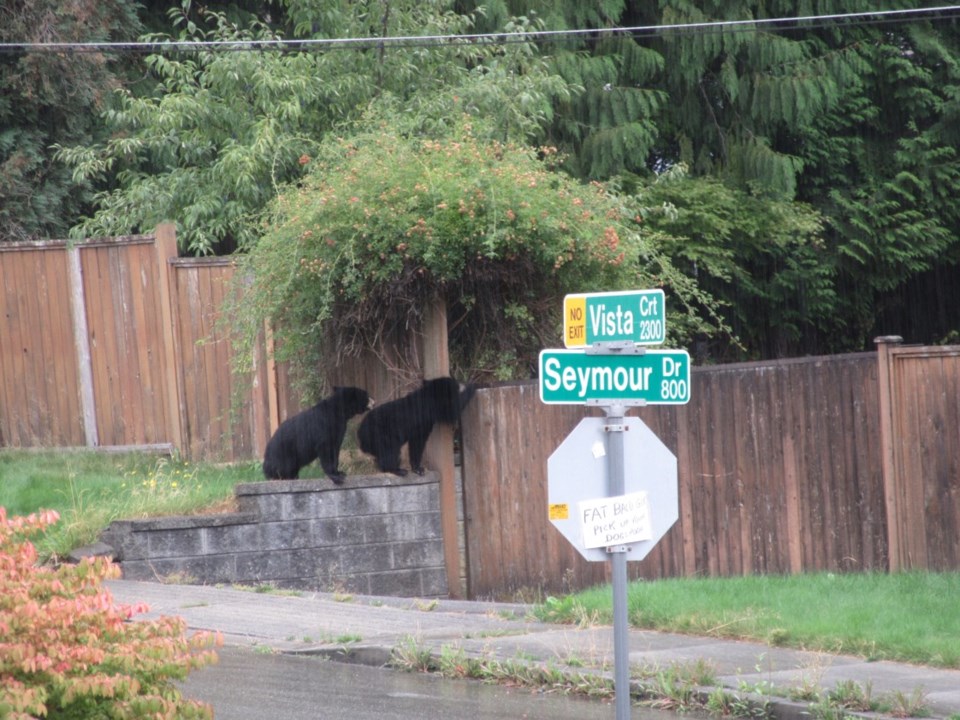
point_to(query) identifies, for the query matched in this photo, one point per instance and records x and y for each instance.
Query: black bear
(314, 433)
(410, 419)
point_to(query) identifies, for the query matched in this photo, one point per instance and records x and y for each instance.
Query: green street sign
(575, 377)
(636, 316)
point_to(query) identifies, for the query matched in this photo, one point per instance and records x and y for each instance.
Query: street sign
(654, 377)
(637, 316)
(577, 490)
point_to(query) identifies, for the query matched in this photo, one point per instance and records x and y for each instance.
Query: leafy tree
(387, 220)
(224, 130)
(48, 98)
(763, 259)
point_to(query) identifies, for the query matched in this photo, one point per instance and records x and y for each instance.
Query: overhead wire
(869, 17)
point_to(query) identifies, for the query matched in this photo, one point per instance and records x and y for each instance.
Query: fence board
(224, 417)
(58, 319)
(39, 403)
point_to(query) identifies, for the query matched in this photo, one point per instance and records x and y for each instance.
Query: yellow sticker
(559, 511)
(574, 321)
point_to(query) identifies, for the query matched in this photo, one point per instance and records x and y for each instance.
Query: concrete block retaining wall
(376, 535)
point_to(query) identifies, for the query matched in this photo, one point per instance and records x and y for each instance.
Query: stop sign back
(577, 472)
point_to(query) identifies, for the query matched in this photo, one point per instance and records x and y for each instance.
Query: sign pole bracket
(615, 347)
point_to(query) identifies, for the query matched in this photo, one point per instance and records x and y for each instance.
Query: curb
(761, 706)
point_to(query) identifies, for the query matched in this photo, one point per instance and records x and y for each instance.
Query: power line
(411, 41)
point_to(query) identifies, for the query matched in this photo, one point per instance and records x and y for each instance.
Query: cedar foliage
(49, 98)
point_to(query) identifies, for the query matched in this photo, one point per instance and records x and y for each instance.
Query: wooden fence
(114, 342)
(836, 463)
(784, 466)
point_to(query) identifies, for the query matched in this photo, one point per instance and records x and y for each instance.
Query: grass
(91, 489)
(909, 617)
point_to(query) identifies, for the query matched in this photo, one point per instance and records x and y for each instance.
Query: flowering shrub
(68, 651)
(387, 220)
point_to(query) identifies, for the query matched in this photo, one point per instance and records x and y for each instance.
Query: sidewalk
(317, 623)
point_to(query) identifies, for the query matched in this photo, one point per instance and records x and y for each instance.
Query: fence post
(892, 482)
(81, 339)
(166, 248)
(439, 450)
(273, 396)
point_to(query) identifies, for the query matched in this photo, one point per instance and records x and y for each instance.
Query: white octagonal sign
(578, 475)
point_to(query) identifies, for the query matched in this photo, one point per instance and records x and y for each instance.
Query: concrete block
(365, 501)
(175, 542)
(367, 558)
(231, 538)
(339, 531)
(418, 554)
(209, 570)
(400, 583)
(261, 567)
(285, 535)
(415, 498)
(434, 582)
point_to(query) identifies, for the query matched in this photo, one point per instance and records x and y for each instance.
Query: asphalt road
(247, 685)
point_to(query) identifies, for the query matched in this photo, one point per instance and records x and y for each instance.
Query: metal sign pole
(618, 560)
(614, 383)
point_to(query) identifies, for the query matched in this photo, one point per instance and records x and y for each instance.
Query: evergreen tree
(857, 119)
(48, 98)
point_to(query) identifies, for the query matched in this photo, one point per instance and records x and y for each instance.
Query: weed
(851, 695)
(728, 704)
(411, 656)
(672, 692)
(809, 689)
(177, 578)
(722, 702)
(695, 672)
(913, 705)
(823, 710)
(454, 663)
(267, 589)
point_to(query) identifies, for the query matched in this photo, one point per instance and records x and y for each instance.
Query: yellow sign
(559, 511)
(575, 320)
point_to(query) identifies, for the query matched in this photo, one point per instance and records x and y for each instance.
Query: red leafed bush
(67, 650)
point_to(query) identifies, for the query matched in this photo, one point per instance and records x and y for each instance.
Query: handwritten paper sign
(615, 520)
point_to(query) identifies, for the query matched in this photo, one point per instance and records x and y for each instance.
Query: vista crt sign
(636, 316)
(653, 377)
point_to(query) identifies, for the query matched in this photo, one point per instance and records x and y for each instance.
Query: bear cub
(386, 428)
(315, 433)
